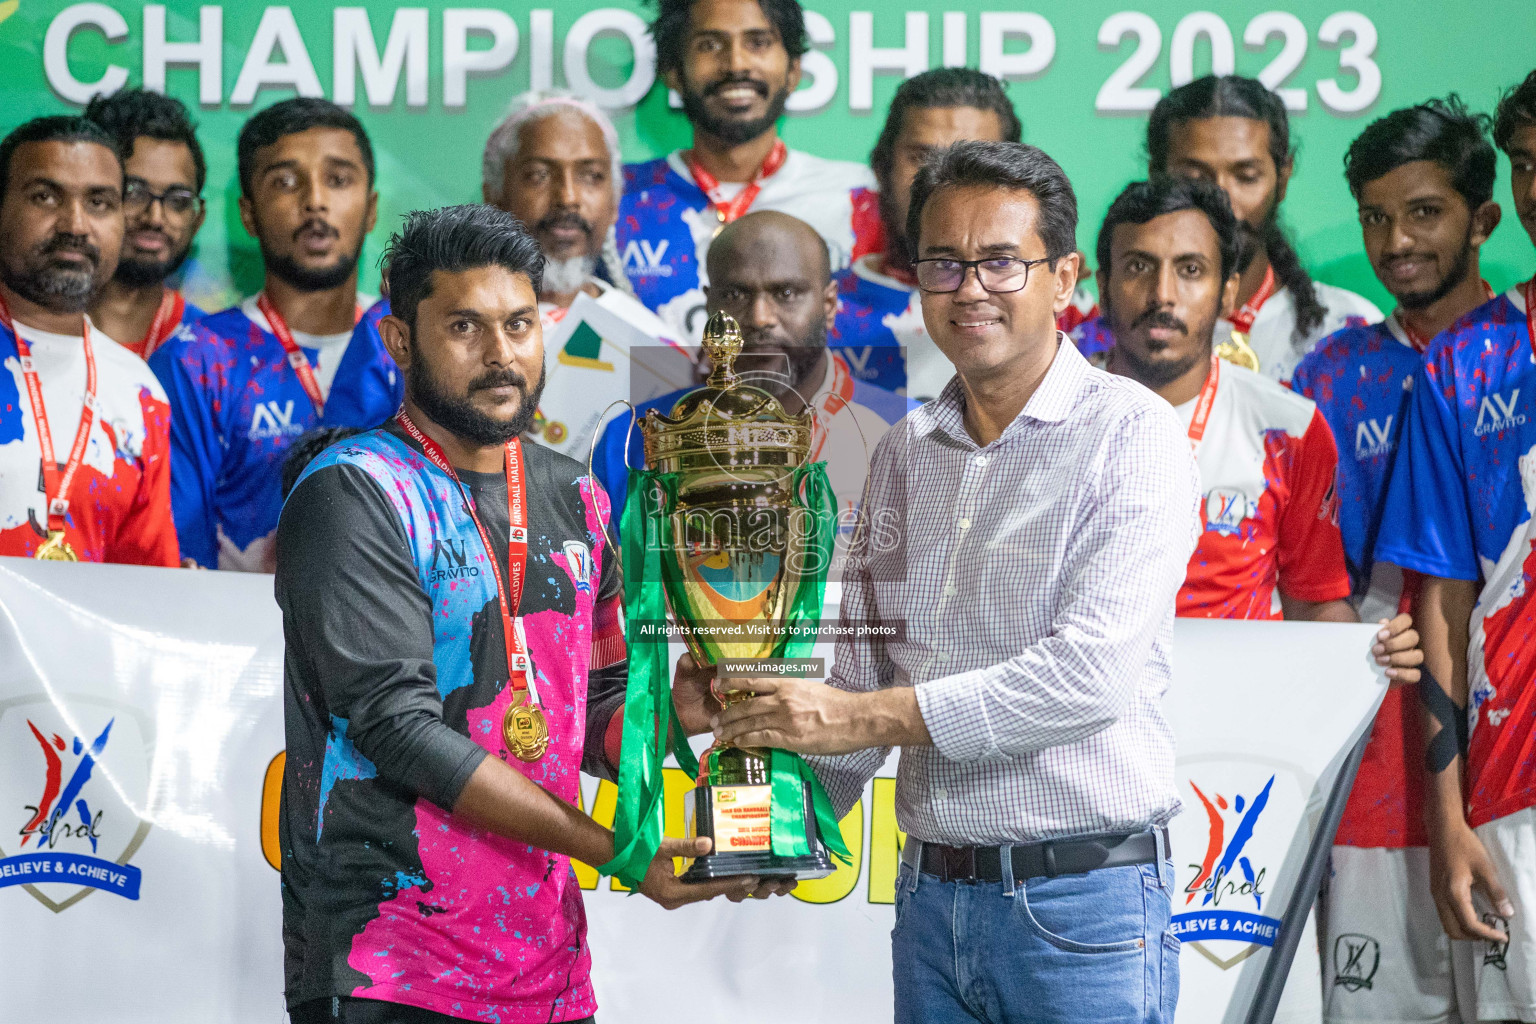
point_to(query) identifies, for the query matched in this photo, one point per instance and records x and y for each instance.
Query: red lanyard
(1530, 312)
(1202, 414)
(56, 485)
(172, 307)
(729, 209)
(1243, 319)
(296, 357)
(838, 396)
(519, 675)
(1419, 342)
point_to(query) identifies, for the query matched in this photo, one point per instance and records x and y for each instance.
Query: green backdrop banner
(430, 81)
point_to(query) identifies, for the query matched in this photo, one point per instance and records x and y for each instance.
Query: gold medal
(1238, 352)
(524, 728)
(56, 549)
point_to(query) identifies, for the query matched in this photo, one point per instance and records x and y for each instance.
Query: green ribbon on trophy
(733, 531)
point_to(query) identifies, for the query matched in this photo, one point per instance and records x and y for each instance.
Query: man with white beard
(553, 162)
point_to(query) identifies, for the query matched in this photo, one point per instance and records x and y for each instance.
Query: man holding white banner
(447, 595)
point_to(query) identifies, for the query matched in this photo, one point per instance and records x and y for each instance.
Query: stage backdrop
(141, 738)
(429, 82)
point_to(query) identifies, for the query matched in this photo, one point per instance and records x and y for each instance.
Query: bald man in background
(772, 273)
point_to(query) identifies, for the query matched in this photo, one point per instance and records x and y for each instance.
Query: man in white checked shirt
(1043, 512)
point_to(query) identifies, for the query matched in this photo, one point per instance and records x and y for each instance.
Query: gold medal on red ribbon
(524, 728)
(56, 549)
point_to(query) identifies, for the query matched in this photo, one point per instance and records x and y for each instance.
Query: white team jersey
(1272, 337)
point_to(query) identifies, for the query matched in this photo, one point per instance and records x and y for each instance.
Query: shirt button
(951, 590)
(981, 461)
(942, 656)
(941, 793)
(964, 523)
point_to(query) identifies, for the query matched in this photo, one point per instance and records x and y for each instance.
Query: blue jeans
(1092, 947)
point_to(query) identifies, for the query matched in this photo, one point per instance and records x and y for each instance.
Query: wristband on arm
(1452, 737)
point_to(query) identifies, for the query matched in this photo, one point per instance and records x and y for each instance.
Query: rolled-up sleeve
(359, 623)
(1122, 571)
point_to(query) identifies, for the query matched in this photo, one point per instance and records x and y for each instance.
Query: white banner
(140, 765)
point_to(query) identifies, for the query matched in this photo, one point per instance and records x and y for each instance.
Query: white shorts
(1385, 955)
(1503, 975)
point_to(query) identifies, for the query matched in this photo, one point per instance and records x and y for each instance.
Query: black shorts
(347, 1010)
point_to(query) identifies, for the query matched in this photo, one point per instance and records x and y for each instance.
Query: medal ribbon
(172, 307)
(1202, 414)
(56, 485)
(730, 209)
(1243, 319)
(1530, 311)
(296, 357)
(519, 668)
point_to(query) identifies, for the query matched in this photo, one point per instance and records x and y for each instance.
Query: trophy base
(736, 819)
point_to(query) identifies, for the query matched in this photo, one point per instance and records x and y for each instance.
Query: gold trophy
(743, 553)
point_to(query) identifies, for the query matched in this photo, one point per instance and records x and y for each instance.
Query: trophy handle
(597, 432)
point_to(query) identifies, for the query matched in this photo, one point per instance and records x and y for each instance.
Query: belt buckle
(960, 864)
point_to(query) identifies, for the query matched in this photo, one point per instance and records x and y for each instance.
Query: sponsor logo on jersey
(1225, 510)
(644, 258)
(450, 561)
(1373, 438)
(1356, 959)
(272, 419)
(578, 557)
(1497, 413)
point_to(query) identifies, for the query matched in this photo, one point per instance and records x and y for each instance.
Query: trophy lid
(726, 415)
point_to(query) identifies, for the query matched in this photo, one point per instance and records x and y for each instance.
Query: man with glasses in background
(162, 212)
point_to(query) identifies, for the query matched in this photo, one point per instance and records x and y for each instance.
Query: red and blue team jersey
(1270, 509)
(1459, 507)
(1362, 379)
(239, 406)
(880, 331)
(119, 501)
(1092, 337)
(178, 314)
(666, 224)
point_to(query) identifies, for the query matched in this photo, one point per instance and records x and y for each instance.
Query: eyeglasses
(999, 275)
(178, 202)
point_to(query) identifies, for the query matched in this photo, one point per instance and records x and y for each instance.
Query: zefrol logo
(70, 780)
(1356, 959)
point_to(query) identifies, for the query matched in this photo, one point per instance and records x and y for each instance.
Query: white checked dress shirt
(1036, 580)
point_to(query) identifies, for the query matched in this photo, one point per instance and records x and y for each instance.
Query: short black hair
(453, 239)
(54, 128)
(1008, 165)
(1141, 201)
(289, 117)
(129, 114)
(1517, 108)
(670, 29)
(1439, 130)
(943, 87)
(304, 450)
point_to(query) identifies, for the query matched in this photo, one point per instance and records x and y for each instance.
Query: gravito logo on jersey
(1496, 414)
(1373, 439)
(270, 420)
(450, 561)
(644, 259)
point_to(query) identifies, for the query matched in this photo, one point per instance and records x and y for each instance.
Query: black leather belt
(972, 864)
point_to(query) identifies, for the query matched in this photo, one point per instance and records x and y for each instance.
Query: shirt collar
(1052, 401)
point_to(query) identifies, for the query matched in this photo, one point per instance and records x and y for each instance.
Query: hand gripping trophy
(733, 530)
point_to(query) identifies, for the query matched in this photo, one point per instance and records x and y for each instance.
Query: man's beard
(1453, 277)
(731, 131)
(311, 279)
(1159, 373)
(457, 413)
(564, 277)
(141, 273)
(788, 364)
(60, 288)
